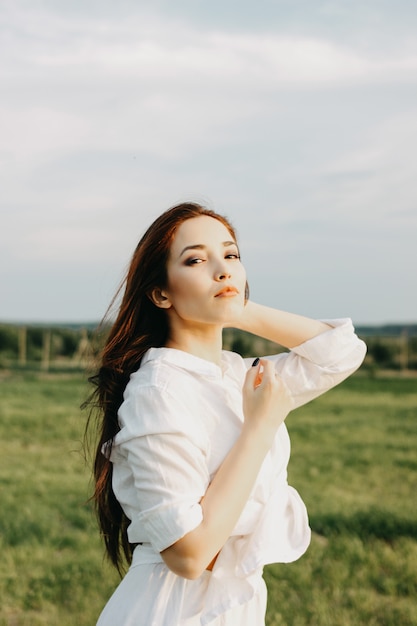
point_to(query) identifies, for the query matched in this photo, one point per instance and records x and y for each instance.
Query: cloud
(306, 140)
(150, 48)
(385, 159)
(159, 86)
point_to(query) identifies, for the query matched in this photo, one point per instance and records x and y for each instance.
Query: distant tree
(382, 353)
(8, 339)
(69, 342)
(240, 345)
(412, 352)
(34, 342)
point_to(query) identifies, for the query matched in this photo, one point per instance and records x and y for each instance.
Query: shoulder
(160, 398)
(170, 372)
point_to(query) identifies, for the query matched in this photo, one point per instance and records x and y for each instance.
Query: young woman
(191, 465)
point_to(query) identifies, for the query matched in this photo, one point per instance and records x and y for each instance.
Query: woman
(190, 469)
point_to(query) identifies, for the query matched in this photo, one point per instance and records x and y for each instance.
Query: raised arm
(321, 355)
(286, 329)
(265, 407)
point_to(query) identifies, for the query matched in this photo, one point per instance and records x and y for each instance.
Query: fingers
(253, 375)
(261, 372)
(266, 398)
(267, 371)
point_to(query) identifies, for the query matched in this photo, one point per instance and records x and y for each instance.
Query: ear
(160, 299)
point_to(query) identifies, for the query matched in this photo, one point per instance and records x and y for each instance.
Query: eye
(232, 255)
(194, 261)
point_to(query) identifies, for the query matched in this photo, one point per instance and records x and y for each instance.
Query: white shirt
(179, 418)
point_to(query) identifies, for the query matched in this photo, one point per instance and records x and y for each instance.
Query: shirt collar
(186, 361)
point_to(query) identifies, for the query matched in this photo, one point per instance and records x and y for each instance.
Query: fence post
(404, 350)
(84, 353)
(22, 345)
(46, 351)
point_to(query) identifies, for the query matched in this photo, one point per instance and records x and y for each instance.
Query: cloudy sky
(296, 119)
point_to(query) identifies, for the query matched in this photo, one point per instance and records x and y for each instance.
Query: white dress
(179, 418)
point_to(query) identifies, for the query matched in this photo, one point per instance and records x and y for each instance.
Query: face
(206, 280)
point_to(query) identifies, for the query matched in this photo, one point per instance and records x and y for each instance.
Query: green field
(354, 461)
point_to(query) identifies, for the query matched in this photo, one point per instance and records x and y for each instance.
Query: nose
(222, 273)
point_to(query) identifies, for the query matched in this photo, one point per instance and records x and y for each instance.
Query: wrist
(244, 322)
(258, 436)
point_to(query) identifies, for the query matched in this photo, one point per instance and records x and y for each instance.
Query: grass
(52, 570)
(353, 461)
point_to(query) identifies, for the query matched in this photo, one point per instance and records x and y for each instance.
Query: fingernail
(256, 361)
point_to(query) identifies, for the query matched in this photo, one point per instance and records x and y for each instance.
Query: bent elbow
(188, 557)
(187, 567)
(192, 572)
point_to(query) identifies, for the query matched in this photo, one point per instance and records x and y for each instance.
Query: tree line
(76, 346)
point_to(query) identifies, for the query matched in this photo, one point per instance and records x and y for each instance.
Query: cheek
(184, 285)
(242, 274)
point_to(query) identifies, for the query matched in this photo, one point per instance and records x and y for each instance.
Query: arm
(286, 329)
(321, 355)
(265, 407)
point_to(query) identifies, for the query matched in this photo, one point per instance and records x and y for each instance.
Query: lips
(227, 292)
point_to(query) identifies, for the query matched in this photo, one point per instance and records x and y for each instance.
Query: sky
(295, 119)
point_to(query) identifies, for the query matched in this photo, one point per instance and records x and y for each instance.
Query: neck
(205, 343)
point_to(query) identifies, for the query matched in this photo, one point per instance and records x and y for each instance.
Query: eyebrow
(200, 246)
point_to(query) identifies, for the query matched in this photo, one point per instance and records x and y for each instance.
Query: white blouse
(180, 416)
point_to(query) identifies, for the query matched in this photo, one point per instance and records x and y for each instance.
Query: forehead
(202, 230)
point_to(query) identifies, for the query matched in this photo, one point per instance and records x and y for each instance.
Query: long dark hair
(139, 325)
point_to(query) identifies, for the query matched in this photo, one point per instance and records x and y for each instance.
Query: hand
(266, 399)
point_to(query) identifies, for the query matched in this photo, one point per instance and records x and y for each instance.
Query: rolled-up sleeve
(322, 362)
(159, 467)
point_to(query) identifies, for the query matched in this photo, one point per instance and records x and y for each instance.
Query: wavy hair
(139, 325)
